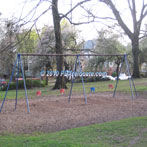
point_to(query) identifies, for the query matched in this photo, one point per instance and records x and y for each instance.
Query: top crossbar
(35, 54)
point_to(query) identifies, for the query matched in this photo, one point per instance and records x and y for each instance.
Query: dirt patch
(50, 114)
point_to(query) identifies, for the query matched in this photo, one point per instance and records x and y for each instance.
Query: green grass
(123, 86)
(130, 132)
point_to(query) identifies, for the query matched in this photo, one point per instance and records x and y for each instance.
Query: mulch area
(54, 113)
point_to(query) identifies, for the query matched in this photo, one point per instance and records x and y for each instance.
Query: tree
(26, 44)
(7, 50)
(60, 83)
(134, 35)
(143, 50)
(46, 45)
(106, 43)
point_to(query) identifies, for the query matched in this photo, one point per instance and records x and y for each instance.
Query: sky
(13, 8)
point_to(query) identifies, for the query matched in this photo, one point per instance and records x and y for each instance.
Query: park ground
(50, 114)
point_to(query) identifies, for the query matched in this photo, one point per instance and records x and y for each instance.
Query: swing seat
(110, 86)
(92, 89)
(38, 93)
(62, 91)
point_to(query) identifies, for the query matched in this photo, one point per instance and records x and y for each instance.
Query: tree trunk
(135, 53)
(60, 83)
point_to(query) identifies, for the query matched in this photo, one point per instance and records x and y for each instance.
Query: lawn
(130, 132)
(123, 86)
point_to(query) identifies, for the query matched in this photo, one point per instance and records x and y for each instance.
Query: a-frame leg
(17, 83)
(73, 77)
(131, 82)
(84, 92)
(21, 66)
(11, 77)
(117, 79)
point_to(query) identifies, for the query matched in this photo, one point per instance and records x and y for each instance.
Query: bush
(91, 79)
(114, 74)
(29, 84)
(143, 74)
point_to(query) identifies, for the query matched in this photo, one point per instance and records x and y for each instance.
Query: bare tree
(60, 83)
(133, 35)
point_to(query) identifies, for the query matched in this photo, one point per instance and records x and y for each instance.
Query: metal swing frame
(18, 64)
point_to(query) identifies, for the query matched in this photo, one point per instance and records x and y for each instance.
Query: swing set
(19, 66)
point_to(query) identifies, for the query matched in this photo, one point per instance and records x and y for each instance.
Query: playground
(64, 109)
(53, 112)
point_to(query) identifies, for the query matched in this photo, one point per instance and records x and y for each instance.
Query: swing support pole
(117, 79)
(11, 77)
(73, 78)
(18, 63)
(131, 82)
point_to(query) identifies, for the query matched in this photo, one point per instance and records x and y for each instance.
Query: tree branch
(118, 17)
(80, 23)
(38, 34)
(92, 15)
(80, 3)
(142, 14)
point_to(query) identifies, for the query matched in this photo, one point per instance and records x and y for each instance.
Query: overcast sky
(14, 8)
